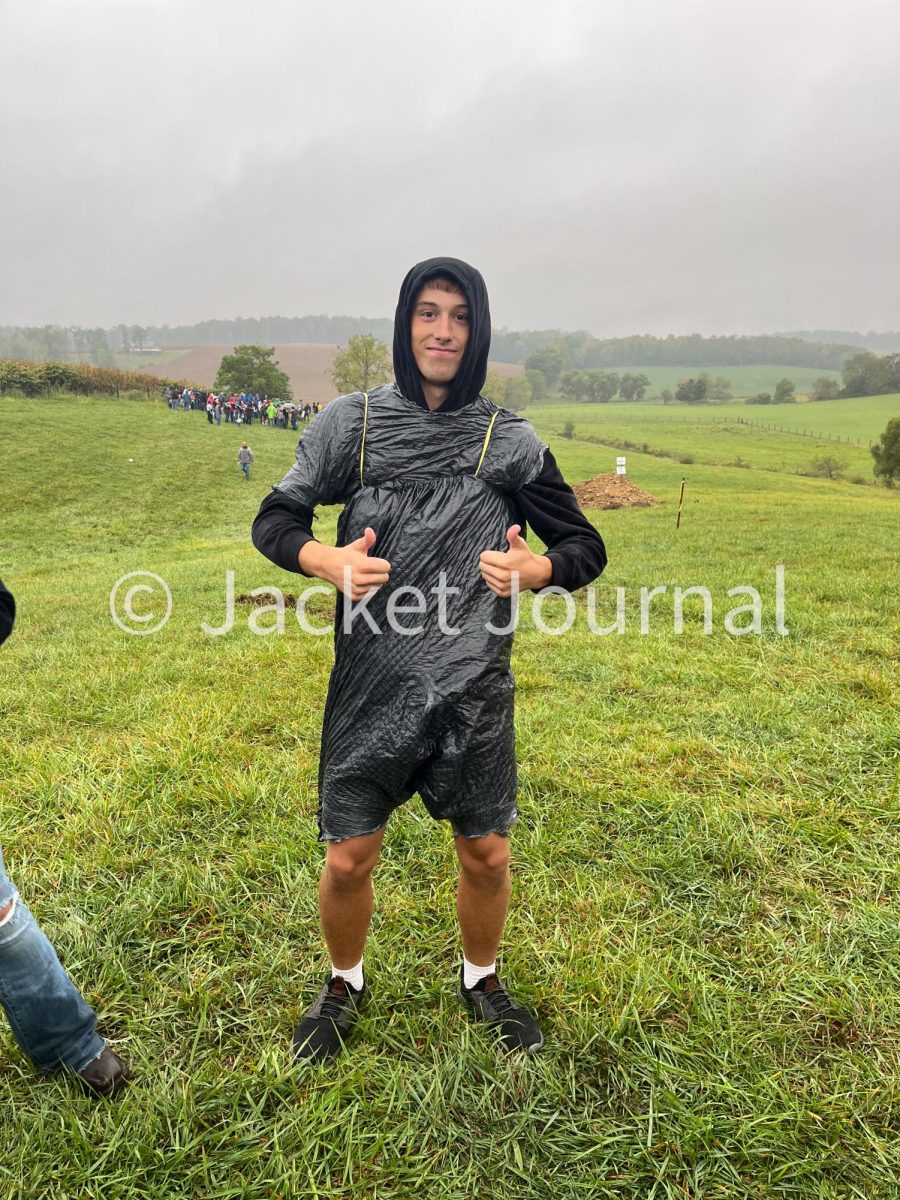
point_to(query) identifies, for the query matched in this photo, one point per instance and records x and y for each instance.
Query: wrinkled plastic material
(427, 711)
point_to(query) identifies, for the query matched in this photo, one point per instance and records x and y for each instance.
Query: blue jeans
(49, 1018)
(245, 467)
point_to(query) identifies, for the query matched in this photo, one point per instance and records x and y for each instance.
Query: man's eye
(464, 317)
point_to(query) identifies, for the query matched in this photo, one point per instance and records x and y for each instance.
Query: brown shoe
(106, 1074)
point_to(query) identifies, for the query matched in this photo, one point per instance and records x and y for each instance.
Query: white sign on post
(620, 465)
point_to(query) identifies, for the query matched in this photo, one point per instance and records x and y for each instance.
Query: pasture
(778, 440)
(705, 900)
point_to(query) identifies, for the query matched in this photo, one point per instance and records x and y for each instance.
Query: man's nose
(443, 332)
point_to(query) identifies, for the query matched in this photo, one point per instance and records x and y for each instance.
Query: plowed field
(308, 366)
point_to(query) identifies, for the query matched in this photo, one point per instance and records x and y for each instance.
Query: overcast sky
(688, 165)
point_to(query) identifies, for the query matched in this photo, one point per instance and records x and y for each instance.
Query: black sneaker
(105, 1075)
(489, 1001)
(325, 1027)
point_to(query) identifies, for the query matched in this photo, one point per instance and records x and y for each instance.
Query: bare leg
(482, 898)
(345, 896)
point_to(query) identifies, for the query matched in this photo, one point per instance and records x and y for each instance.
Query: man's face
(440, 331)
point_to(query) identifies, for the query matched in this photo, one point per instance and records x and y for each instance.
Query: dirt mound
(612, 491)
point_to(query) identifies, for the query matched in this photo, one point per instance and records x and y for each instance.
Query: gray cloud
(627, 167)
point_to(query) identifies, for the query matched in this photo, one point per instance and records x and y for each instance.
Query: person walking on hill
(438, 484)
(50, 1020)
(245, 458)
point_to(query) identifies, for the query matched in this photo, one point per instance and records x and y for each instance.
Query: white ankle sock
(352, 975)
(473, 975)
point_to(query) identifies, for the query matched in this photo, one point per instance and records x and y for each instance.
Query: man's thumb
(513, 536)
(366, 542)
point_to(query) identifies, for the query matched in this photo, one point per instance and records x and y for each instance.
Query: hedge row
(35, 378)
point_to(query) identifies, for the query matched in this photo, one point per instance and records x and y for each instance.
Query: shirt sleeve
(281, 528)
(7, 613)
(550, 507)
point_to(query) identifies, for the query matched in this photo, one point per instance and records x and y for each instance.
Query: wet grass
(705, 900)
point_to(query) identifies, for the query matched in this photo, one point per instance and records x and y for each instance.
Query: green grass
(864, 417)
(717, 434)
(706, 886)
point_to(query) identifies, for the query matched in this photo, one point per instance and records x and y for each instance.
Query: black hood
(473, 368)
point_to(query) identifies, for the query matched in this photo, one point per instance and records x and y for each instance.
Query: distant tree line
(581, 352)
(551, 351)
(884, 342)
(45, 343)
(270, 330)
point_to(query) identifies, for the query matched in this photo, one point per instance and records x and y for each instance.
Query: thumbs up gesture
(515, 569)
(349, 567)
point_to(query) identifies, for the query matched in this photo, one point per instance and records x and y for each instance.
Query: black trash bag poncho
(421, 700)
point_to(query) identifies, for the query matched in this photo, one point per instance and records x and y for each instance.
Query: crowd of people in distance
(242, 409)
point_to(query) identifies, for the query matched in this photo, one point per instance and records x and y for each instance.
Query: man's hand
(349, 567)
(497, 566)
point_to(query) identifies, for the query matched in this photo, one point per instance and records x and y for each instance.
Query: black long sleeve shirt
(7, 613)
(548, 505)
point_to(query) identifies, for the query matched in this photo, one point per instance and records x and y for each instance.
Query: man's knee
(350, 863)
(484, 859)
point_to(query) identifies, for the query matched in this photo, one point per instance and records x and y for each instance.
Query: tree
(600, 386)
(886, 453)
(867, 375)
(666, 396)
(574, 385)
(692, 391)
(824, 388)
(538, 385)
(51, 342)
(827, 466)
(551, 361)
(252, 369)
(759, 398)
(517, 393)
(494, 388)
(632, 387)
(784, 392)
(365, 364)
(79, 340)
(719, 390)
(138, 336)
(99, 352)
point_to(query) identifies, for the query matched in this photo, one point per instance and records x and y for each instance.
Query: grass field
(705, 910)
(716, 434)
(861, 419)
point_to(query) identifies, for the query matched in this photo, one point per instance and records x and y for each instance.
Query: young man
(49, 1019)
(245, 458)
(437, 484)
